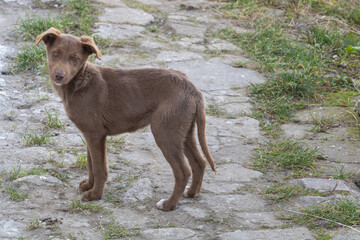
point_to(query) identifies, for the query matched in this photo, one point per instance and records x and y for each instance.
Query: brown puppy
(104, 101)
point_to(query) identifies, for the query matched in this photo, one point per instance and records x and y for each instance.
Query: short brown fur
(103, 101)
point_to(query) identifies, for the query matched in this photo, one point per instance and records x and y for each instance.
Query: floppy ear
(90, 46)
(48, 36)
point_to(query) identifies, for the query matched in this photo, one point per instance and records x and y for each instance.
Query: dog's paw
(85, 185)
(164, 205)
(160, 204)
(188, 194)
(90, 196)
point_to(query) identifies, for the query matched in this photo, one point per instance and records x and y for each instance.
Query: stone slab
(257, 220)
(215, 75)
(169, 234)
(319, 114)
(10, 229)
(151, 45)
(121, 15)
(192, 43)
(278, 234)
(172, 56)
(130, 218)
(187, 28)
(139, 191)
(195, 212)
(117, 31)
(245, 127)
(233, 203)
(235, 173)
(319, 184)
(191, 5)
(222, 45)
(113, 3)
(298, 131)
(150, 2)
(347, 234)
(233, 105)
(219, 187)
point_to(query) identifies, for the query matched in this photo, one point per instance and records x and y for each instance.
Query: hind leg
(197, 163)
(171, 144)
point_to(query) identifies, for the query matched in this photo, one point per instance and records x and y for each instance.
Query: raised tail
(201, 125)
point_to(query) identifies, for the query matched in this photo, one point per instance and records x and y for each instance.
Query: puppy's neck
(76, 85)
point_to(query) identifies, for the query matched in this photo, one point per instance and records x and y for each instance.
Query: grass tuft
(53, 121)
(343, 211)
(297, 60)
(15, 195)
(114, 230)
(284, 155)
(78, 206)
(81, 161)
(115, 144)
(79, 18)
(16, 172)
(31, 139)
(280, 192)
(34, 224)
(30, 58)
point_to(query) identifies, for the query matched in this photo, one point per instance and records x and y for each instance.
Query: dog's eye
(75, 59)
(56, 54)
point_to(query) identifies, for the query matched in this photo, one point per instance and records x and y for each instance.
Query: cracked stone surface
(126, 15)
(290, 234)
(230, 205)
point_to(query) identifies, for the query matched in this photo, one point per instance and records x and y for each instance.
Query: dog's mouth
(58, 83)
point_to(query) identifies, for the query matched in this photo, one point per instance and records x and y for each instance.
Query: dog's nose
(59, 76)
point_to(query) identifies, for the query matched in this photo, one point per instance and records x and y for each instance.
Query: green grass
(16, 172)
(78, 18)
(126, 180)
(296, 62)
(281, 192)
(81, 161)
(348, 10)
(32, 26)
(321, 234)
(284, 155)
(323, 123)
(342, 99)
(34, 224)
(343, 211)
(30, 57)
(145, 7)
(36, 171)
(341, 174)
(213, 110)
(115, 144)
(53, 121)
(103, 43)
(31, 139)
(114, 230)
(78, 206)
(15, 195)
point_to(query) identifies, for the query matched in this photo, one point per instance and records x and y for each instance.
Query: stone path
(178, 37)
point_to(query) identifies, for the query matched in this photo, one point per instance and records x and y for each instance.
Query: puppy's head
(67, 54)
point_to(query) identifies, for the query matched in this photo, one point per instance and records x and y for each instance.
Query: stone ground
(230, 205)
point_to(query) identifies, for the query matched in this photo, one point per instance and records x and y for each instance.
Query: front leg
(97, 149)
(88, 183)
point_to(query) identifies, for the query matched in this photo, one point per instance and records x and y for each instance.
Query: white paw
(160, 204)
(186, 191)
